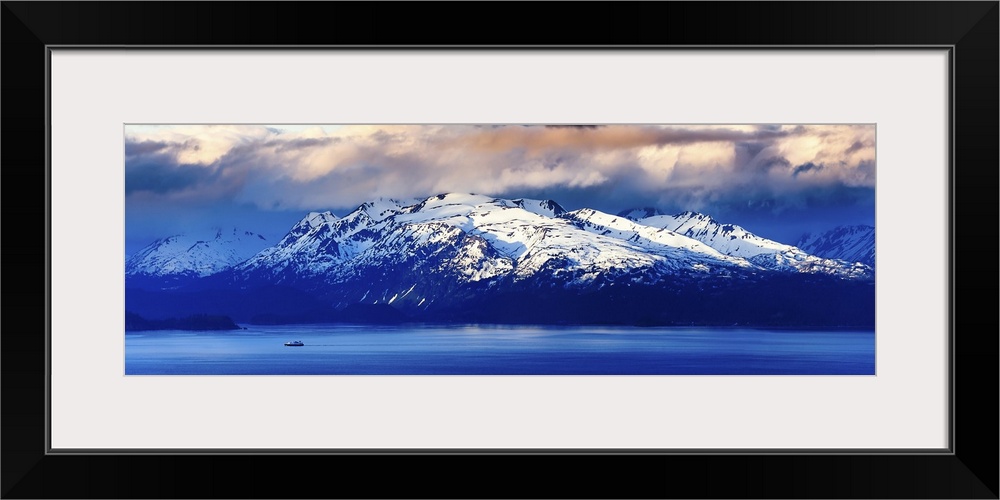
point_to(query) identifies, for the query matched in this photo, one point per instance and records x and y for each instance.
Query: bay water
(500, 350)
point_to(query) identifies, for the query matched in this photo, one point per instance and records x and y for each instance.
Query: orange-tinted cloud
(318, 167)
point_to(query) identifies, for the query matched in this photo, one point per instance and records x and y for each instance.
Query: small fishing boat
(294, 343)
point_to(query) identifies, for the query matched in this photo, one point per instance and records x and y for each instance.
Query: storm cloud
(698, 167)
(163, 178)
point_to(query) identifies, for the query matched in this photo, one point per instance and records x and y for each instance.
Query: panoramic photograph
(499, 249)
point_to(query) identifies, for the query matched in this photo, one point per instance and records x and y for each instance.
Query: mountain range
(850, 243)
(472, 258)
(181, 257)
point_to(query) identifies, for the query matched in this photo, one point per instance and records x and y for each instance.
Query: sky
(778, 181)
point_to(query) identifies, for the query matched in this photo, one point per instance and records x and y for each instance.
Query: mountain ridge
(458, 255)
(852, 243)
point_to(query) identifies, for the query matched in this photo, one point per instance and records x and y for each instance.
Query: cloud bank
(695, 167)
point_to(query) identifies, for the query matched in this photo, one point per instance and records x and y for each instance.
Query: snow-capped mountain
(195, 254)
(653, 240)
(849, 243)
(410, 251)
(735, 241)
(466, 257)
(457, 239)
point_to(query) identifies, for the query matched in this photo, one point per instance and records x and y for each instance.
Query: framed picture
(430, 175)
(374, 276)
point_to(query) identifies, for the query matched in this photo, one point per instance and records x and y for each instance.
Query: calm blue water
(493, 350)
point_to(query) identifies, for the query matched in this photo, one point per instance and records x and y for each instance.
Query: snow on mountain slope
(850, 243)
(196, 253)
(729, 239)
(400, 250)
(735, 241)
(655, 240)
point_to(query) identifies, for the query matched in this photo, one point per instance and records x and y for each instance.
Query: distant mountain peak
(735, 241)
(853, 243)
(195, 253)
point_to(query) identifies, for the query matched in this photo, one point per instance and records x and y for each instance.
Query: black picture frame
(969, 28)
